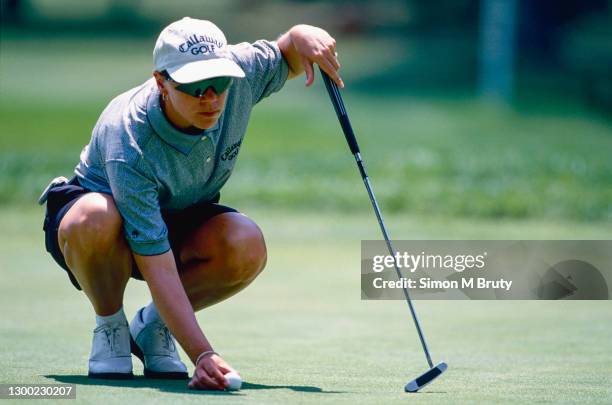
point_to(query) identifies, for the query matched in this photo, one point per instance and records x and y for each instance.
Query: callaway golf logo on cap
(191, 50)
(201, 44)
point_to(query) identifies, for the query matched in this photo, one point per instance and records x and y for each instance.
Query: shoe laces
(111, 331)
(163, 331)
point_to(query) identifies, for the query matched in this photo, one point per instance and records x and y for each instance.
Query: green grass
(301, 334)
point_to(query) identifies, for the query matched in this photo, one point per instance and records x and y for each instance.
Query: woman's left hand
(312, 45)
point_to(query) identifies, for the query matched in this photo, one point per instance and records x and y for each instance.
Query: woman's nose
(208, 95)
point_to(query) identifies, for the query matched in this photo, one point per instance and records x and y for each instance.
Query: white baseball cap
(191, 50)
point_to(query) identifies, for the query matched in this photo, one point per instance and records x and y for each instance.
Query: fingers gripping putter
(336, 98)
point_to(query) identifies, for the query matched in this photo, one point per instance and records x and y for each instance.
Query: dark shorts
(180, 223)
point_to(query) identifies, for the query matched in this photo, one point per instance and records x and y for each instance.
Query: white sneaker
(154, 345)
(110, 352)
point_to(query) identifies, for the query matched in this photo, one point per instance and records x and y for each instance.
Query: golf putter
(336, 98)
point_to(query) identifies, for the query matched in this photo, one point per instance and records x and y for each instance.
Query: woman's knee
(93, 223)
(237, 247)
(241, 249)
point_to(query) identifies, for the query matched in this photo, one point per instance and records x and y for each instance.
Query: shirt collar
(181, 141)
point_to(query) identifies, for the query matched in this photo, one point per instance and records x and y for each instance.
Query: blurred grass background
(432, 145)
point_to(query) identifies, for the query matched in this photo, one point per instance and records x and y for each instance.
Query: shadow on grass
(298, 388)
(177, 386)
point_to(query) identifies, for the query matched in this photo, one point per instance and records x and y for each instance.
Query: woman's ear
(159, 79)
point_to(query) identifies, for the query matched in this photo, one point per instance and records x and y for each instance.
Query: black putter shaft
(336, 99)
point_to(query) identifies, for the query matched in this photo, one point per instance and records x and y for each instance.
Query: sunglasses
(197, 89)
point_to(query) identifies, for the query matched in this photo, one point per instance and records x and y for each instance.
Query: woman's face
(186, 112)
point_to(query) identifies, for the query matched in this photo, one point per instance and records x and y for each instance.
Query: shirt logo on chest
(231, 151)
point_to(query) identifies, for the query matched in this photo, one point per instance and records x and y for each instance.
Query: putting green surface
(301, 334)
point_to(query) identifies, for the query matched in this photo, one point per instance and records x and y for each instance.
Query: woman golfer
(144, 199)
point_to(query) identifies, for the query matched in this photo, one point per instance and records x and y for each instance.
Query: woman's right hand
(209, 374)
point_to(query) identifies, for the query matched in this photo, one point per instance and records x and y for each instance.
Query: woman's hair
(165, 74)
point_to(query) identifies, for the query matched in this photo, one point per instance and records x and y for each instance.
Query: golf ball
(234, 382)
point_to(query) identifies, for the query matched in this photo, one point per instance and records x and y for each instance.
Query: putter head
(426, 378)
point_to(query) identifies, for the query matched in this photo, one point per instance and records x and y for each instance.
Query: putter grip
(336, 98)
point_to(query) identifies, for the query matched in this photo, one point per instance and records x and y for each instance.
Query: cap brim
(205, 69)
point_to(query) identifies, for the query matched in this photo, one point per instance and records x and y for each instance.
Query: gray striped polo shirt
(147, 165)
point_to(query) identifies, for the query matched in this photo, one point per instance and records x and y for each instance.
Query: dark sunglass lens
(218, 84)
(226, 83)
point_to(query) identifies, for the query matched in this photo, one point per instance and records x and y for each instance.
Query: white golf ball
(234, 382)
